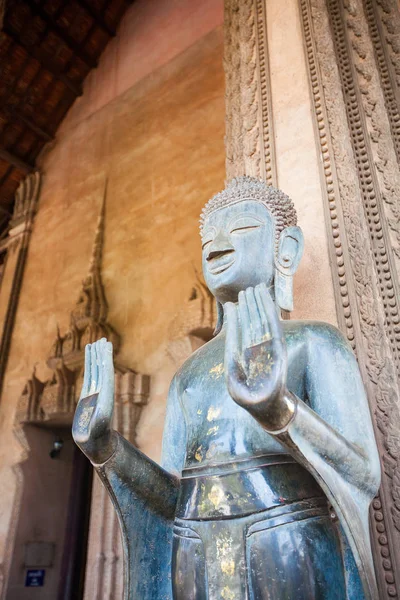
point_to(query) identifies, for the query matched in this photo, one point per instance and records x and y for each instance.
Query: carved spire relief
(194, 324)
(89, 317)
(56, 398)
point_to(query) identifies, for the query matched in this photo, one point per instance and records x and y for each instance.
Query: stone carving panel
(55, 399)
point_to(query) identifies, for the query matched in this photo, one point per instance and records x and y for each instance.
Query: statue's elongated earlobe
(284, 290)
(220, 318)
(290, 251)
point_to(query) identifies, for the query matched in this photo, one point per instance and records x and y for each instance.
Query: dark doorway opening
(72, 575)
(53, 524)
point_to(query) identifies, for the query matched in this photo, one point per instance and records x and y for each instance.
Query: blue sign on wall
(35, 578)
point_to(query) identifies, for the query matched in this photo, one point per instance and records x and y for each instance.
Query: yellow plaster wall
(160, 146)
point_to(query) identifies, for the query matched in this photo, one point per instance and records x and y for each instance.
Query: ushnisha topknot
(249, 188)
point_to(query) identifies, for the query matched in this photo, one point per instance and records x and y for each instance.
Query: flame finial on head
(277, 202)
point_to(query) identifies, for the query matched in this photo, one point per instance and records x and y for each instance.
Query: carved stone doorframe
(352, 53)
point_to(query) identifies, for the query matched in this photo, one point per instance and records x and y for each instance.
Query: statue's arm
(174, 438)
(336, 426)
(332, 437)
(137, 473)
(111, 454)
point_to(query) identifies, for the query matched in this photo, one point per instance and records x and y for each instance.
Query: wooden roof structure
(47, 48)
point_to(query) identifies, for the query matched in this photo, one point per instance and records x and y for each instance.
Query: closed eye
(206, 243)
(244, 228)
(245, 223)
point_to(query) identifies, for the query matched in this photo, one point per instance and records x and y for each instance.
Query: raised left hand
(256, 358)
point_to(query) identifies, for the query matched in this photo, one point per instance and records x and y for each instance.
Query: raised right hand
(256, 359)
(92, 426)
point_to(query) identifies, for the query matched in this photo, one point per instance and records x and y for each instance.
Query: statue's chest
(217, 428)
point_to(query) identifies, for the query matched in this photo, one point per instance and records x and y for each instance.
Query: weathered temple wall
(150, 35)
(270, 132)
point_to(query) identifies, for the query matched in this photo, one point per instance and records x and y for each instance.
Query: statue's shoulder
(201, 360)
(315, 334)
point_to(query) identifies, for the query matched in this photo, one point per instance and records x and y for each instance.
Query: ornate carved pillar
(249, 138)
(15, 247)
(352, 52)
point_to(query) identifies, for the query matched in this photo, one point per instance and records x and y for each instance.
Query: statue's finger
(233, 371)
(86, 373)
(256, 329)
(266, 333)
(93, 369)
(232, 330)
(244, 321)
(107, 386)
(100, 359)
(108, 363)
(271, 313)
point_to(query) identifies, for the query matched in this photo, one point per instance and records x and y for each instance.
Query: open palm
(255, 354)
(92, 427)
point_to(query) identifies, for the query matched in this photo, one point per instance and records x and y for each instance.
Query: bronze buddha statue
(269, 458)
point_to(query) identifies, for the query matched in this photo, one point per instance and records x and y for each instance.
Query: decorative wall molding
(14, 251)
(355, 172)
(249, 140)
(376, 164)
(26, 199)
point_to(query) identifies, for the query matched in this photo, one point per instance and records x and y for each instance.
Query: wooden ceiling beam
(96, 16)
(32, 126)
(44, 60)
(62, 34)
(16, 161)
(11, 90)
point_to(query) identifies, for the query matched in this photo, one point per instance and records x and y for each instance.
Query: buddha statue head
(249, 236)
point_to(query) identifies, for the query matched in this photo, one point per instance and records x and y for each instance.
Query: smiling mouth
(221, 263)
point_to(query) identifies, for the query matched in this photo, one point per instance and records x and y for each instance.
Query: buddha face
(238, 249)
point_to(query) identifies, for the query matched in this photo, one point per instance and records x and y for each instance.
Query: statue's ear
(290, 251)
